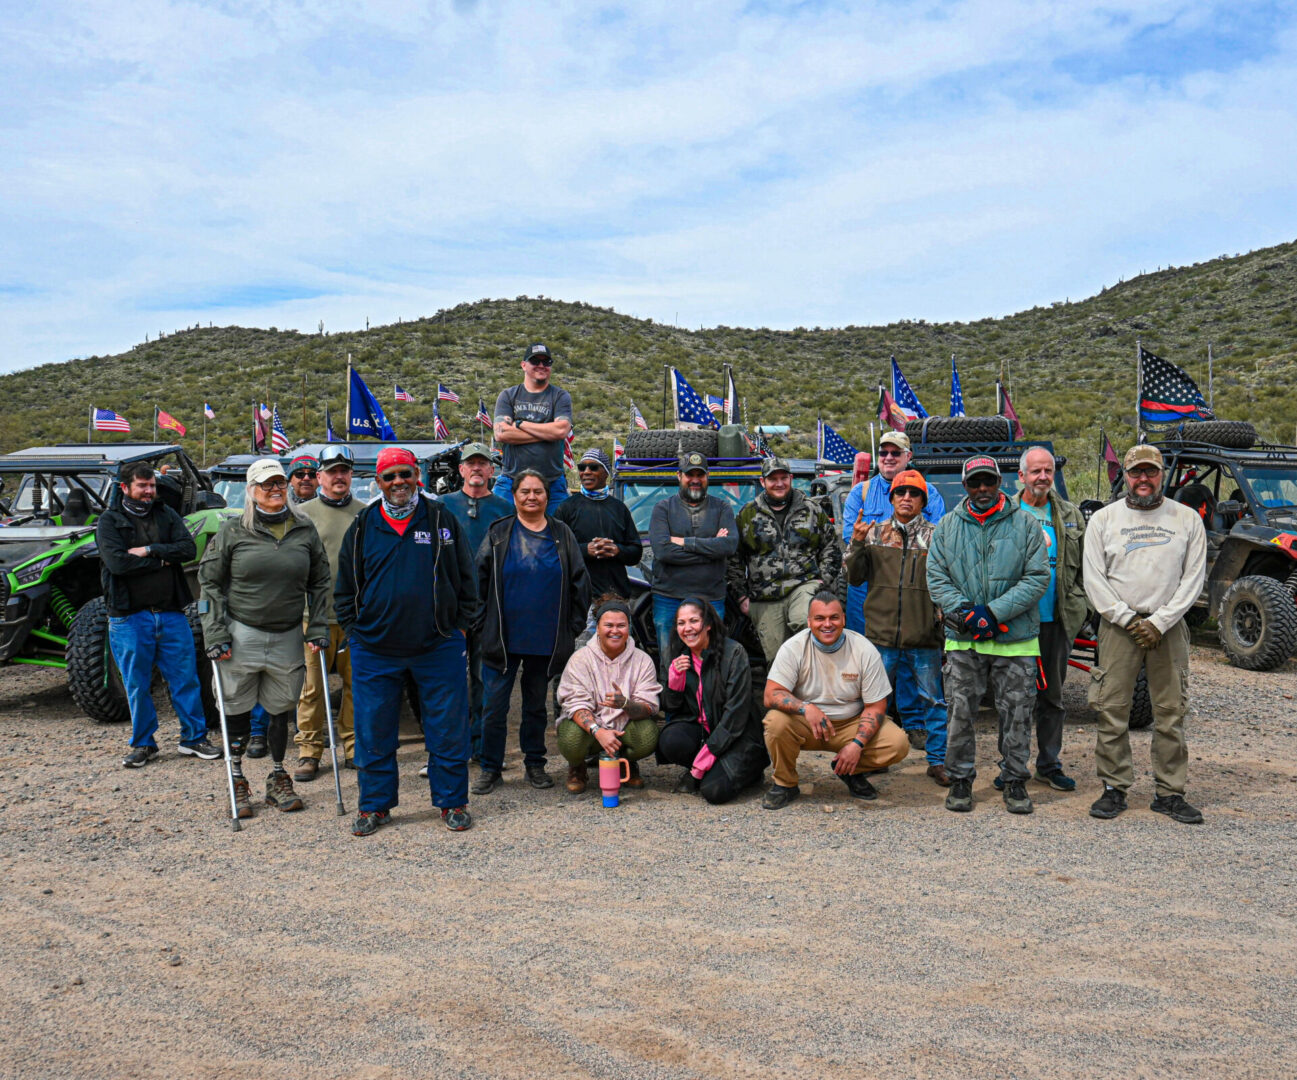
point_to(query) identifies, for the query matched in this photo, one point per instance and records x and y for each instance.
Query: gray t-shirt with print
(515, 404)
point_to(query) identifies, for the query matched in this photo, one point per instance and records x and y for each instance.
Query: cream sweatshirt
(1150, 562)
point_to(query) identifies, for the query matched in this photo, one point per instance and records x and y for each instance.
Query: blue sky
(748, 164)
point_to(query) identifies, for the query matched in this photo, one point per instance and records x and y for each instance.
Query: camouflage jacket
(774, 558)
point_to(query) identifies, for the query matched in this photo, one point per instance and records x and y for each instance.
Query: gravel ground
(141, 937)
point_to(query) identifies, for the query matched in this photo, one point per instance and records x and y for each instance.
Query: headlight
(28, 574)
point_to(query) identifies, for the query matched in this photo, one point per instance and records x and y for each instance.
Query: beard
(1143, 502)
(693, 495)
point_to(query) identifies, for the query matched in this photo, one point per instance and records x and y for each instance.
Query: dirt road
(140, 937)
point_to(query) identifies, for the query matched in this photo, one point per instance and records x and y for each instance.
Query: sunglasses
(908, 492)
(541, 363)
(589, 466)
(309, 474)
(981, 481)
(1144, 472)
(396, 474)
(273, 485)
(890, 453)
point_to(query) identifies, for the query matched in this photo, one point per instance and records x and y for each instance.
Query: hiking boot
(139, 756)
(423, 773)
(280, 793)
(577, 778)
(307, 767)
(1108, 805)
(257, 747)
(998, 782)
(960, 798)
(200, 749)
(779, 797)
(938, 774)
(1016, 799)
(918, 738)
(1174, 807)
(537, 777)
(635, 781)
(457, 819)
(486, 783)
(242, 797)
(1057, 779)
(369, 821)
(688, 784)
(859, 787)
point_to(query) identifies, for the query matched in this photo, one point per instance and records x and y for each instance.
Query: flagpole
(1139, 390)
(204, 435)
(155, 421)
(1098, 474)
(665, 376)
(90, 424)
(873, 450)
(1211, 397)
(346, 437)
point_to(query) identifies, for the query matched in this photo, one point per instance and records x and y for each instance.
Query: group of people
(449, 601)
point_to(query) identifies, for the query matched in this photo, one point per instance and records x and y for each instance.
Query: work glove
(1146, 635)
(217, 651)
(981, 622)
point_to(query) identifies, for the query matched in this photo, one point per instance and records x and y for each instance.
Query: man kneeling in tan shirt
(827, 690)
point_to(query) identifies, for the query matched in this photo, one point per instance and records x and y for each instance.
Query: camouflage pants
(1013, 684)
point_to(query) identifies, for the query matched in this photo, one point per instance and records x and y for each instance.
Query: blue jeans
(495, 710)
(163, 638)
(664, 622)
(557, 490)
(260, 720)
(856, 607)
(920, 700)
(476, 693)
(377, 683)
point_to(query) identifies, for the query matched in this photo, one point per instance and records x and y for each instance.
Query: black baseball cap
(535, 350)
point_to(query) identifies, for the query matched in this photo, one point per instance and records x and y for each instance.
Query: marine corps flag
(166, 420)
(890, 415)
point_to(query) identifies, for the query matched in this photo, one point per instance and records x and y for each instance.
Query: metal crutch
(235, 824)
(333, 735)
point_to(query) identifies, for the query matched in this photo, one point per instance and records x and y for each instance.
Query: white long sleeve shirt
(1144, 561)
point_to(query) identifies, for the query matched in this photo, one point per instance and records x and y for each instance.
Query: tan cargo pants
(788, 735)
(1112, 684)
(311, 725)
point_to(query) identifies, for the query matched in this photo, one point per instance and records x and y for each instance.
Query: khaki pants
(787, 735)
(1112, 684)
(778, 620)
(311, 725)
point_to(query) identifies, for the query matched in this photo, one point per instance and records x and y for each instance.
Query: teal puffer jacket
(1002, 564)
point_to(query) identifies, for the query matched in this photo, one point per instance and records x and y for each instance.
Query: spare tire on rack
(657, 445)
(1232, 434)
(960, 429)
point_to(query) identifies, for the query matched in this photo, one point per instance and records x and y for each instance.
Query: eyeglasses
(883, 452)
(1144, 472)
(308, 474)
(396, 474)
(589, 466)
(275, 484)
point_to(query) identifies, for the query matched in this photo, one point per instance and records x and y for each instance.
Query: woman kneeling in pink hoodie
(607, 697)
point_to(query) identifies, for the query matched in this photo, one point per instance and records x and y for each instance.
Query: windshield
(641, 498)
(1273, 487)
(62, 485)
(232, 491)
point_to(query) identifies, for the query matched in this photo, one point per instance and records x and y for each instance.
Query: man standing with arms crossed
(331, 512)
(1145, 561)
(1062, 609)
(532, 420)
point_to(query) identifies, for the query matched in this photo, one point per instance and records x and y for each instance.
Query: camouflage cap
(774, 465)
(895, 438)
(693, 460)
(1143, 454)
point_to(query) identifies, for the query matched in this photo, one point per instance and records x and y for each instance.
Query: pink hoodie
(590, 675)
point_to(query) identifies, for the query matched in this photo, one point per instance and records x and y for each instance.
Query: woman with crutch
(258, 574)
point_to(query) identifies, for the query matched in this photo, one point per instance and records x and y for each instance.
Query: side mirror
(211, 500)
(1231, 507)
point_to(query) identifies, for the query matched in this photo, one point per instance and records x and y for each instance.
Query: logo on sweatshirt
(422, 536)
(446, 538)
(1143, 536)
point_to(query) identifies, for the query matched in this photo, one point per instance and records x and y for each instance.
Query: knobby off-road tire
(961, 429)
(93, 678)
(204, 668)
(671, 444)
(1257, 623)
(1233, 434)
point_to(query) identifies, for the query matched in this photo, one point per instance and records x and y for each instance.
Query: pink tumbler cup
(611, 778)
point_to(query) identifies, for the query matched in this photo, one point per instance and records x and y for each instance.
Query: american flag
(906, 399)
(618, 451)
(446, 395)
(1167, 394)
(637, 417)
(569, 461)
(956, 392)
(207, 411)
(483, 417)
(690, 408)
(717, 405)
(439, 429)
(278, 436)
(107, 420)
(732, 410)
(402, 395)
(265, 413)
(833, 447)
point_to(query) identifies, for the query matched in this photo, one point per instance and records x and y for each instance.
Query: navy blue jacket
(401, 594)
